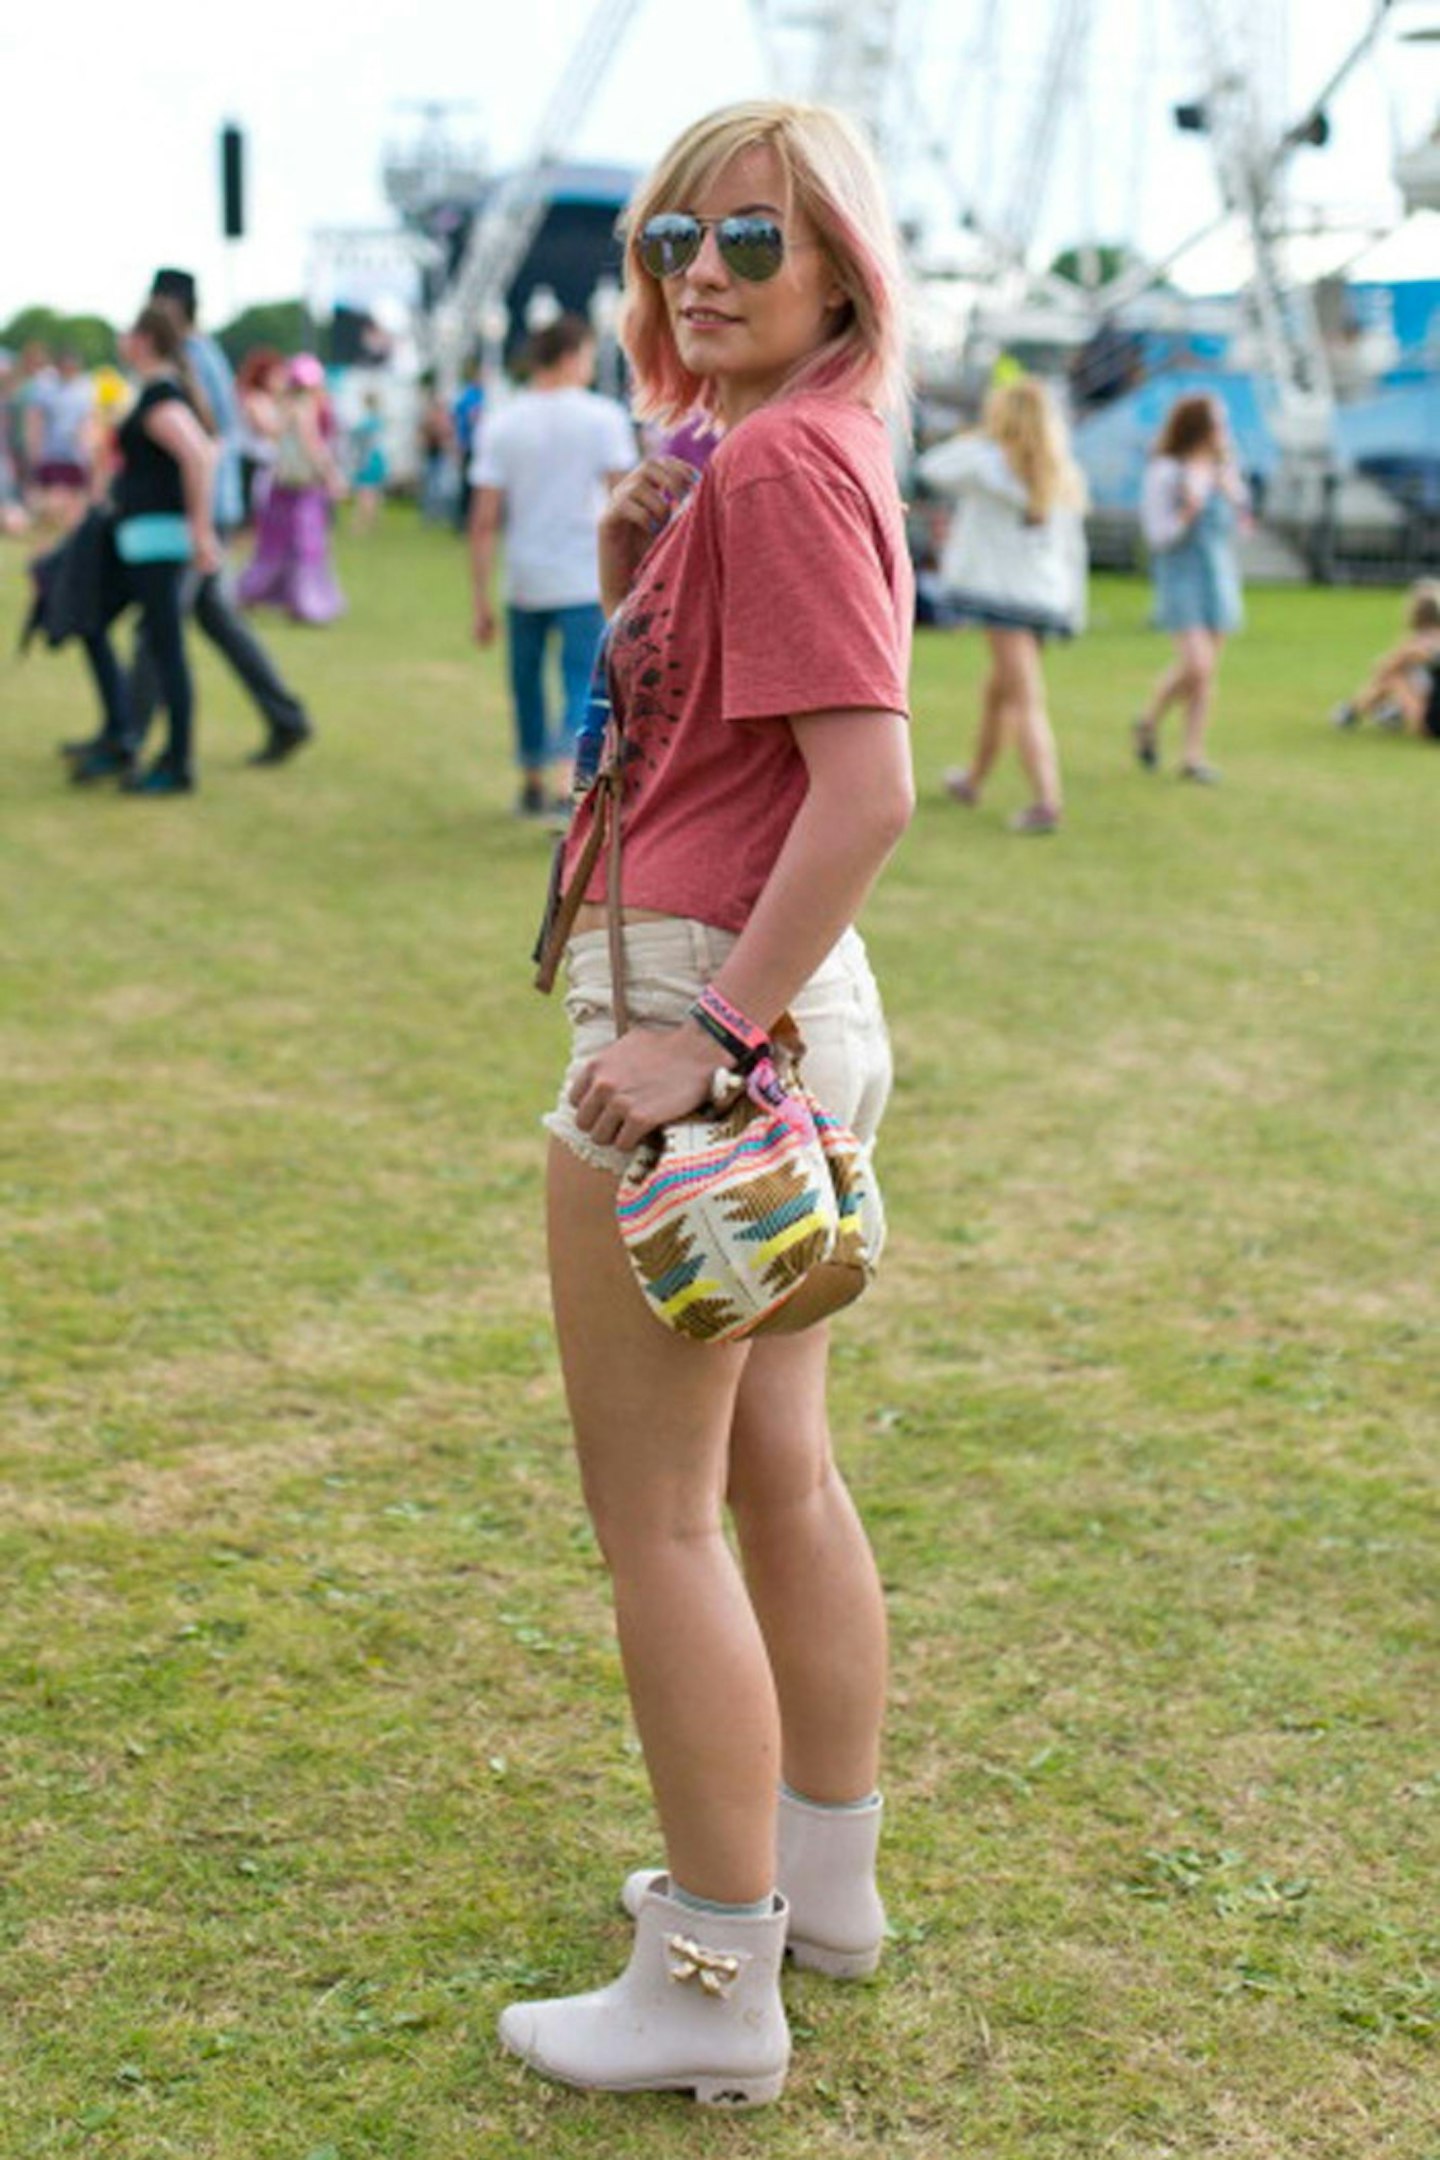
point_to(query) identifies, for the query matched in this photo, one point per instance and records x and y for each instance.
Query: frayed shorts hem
(586, 1150)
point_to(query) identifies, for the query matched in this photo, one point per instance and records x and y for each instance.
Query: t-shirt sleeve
(487, 465)
(970, 462)
(164, 393)
(808, 614)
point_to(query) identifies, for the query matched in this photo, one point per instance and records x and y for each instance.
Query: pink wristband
(729, 1026)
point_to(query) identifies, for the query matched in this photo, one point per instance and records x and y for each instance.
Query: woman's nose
(709, 264)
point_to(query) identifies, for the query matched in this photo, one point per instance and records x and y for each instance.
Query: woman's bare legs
(810, 1570)
(652, 1416)
(1391, 684)
(1200, 652)
(994, 727)
(1172, 685)
(1190, 679)
(1017, 663)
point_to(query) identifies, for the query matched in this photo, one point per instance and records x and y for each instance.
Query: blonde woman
(1014, 566)
(759, 639)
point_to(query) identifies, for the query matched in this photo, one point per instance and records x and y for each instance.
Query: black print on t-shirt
(652, 696)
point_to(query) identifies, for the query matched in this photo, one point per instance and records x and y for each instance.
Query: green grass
(314, 1746)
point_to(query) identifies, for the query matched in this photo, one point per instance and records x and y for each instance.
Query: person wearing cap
(287, 724)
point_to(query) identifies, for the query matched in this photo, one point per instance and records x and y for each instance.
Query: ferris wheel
(852, 53)
(983, 115)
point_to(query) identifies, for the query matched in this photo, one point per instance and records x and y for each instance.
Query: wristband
(768, 1091)
(738, 1037)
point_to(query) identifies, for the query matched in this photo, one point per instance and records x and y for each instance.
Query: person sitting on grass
(1402, 691)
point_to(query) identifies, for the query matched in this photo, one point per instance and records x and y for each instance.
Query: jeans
(217, 616)
(538, 744)
(156, 588)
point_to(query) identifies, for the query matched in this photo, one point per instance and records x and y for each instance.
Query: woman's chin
(699, 357)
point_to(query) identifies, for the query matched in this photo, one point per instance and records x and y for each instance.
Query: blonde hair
(1423, 608)
(833, 178)
(1023, 418)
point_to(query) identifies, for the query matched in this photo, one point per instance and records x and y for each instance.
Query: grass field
(314, 1748)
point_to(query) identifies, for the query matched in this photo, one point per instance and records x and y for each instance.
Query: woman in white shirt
(1014, 566)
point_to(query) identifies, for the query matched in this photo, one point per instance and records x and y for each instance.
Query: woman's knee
(636, 1532)
(778, 1465)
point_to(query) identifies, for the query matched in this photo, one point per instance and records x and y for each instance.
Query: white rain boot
(826, 1872)
(696, 2010)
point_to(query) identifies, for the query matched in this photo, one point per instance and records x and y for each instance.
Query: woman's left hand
(207, 554)
(644, 1080)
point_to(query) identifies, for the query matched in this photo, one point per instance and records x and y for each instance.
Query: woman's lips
(707, 319)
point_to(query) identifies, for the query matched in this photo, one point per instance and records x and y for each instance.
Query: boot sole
(706, 2087)
(835, 1964)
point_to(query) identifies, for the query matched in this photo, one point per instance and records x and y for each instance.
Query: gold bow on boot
(716, 1970)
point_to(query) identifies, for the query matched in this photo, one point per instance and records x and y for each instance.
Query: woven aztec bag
(742, 1221)
(747, 1217)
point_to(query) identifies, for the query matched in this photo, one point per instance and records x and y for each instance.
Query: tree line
(284, 325)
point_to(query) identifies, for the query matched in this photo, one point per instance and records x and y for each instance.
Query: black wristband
(741, 1055)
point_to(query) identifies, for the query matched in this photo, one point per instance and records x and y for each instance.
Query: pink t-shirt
(782, 586)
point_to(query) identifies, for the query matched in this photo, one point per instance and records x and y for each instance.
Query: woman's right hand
(638, 511)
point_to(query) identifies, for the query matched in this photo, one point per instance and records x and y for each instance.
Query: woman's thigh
(1016, 654)
(651, 1410)
(1197, 650)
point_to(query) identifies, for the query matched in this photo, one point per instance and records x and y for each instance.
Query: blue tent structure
(1395, 438)
(1394, 423)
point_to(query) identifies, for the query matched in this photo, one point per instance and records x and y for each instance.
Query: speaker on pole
(232, 182)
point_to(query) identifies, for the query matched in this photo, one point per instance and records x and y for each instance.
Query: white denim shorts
(667, 964)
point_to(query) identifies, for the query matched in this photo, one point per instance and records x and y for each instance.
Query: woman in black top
(162, 505)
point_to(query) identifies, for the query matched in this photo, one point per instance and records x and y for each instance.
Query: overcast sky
(108, 160)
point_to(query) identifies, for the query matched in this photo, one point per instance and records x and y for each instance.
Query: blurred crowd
(997, 529)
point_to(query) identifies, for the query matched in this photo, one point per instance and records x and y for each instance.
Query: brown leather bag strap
(605, 795)
(567, 906)
(605, 824)
(615, 914)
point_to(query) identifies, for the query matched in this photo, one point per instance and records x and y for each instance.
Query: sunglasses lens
(668, 244)
(753, 247)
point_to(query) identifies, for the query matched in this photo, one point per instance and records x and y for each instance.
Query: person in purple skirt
(291, 566)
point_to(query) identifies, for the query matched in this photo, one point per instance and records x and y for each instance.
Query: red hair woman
(1193, 501)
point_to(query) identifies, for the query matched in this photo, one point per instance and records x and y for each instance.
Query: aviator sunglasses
(751, 244)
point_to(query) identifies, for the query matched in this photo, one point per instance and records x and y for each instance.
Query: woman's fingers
(640, 1082)
(648, 495)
